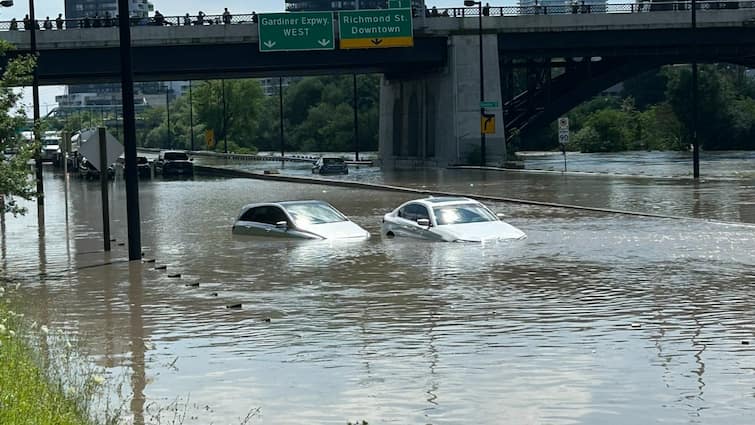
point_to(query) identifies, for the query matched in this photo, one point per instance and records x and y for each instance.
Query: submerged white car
(448, 219)
(297, 219)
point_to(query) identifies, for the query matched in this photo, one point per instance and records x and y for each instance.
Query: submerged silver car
(448, 219)
(297, 219)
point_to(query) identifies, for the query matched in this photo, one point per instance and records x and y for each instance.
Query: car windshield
(314, 213)
(332, 161)
(464, 213)
(176, 156)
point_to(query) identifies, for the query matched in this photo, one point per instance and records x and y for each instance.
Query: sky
(43, 8)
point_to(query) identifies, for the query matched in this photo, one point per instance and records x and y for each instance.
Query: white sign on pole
(563, 123)
(563, 137)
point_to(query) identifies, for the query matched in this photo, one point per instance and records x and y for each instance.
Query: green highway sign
(375, 28)
(296, 31)
(489, 104)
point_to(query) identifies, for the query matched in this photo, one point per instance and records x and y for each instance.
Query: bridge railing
(568, 7)
(581, 7)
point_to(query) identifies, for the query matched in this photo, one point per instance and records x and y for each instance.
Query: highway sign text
(296, 31)
(376, 28)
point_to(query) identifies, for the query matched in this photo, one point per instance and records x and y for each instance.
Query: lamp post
(35, 100)
(469, 3)
(695, 143)
(191, 117)
(129, 133)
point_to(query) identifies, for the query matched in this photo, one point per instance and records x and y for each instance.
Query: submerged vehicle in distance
(310, 219)
(143, 167)
(449, 219)
(174, 163)
(328, 165)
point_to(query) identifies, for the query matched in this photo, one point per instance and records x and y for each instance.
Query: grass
(29, 393)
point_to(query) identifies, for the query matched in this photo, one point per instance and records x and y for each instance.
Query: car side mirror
(281, 225)
(500, 215)
(423, 222)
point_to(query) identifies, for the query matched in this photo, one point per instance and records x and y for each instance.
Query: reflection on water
(595, 318)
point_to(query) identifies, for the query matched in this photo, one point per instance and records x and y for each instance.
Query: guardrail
(580, 7)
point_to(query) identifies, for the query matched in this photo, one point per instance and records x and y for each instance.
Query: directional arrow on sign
(269, 44)
(323, 42)
(377, 41)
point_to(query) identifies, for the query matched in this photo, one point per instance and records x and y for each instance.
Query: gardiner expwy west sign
(296, 31)
(365, 29)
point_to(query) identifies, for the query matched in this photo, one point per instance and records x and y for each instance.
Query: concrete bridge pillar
(434, 120)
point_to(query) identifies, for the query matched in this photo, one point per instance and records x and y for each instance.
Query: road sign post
(563, 136)
(296, 31)
(375, 28)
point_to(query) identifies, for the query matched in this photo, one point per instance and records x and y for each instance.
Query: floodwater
(595, 318)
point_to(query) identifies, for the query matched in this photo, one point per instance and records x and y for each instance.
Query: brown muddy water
(595, 318)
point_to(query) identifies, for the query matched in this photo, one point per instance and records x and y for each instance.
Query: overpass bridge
(430, 108)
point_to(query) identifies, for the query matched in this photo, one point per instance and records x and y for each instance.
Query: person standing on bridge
(27, 23)
(254, 17)
(47, 25)
(159, 18)
(227, 17)
(200, 18)
(486, 10)
(13, 24)
(59, 21)
(187, 19)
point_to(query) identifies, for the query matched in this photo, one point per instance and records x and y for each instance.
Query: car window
(414, 212)
(267, 214)
(176, 156)
(141, 160)
(314, 213)
(333, 161)
(459, 214)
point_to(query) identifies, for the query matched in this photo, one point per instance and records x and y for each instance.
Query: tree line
(318, 115)
(654, 112)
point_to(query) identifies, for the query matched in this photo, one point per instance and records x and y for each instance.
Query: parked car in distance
(174, 163)
(297, 219)
(143, 167)
(330, 165)
(449, 219)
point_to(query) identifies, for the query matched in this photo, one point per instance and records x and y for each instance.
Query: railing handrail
(569, 7)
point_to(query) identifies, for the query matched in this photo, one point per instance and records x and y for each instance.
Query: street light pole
(191, 117)
(35, 132)
(483, 153)
(129, 133)
(695, 142)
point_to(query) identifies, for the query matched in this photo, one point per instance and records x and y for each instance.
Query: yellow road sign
(367, 43)
(487, 124)
(209, 138)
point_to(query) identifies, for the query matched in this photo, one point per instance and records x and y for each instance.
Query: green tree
(14, 171)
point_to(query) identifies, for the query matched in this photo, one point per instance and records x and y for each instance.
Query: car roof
(283, 203)
(444, 200)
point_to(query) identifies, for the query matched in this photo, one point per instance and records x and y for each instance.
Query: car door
(407, 221)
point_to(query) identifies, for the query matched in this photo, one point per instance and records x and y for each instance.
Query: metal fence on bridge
(577, 7)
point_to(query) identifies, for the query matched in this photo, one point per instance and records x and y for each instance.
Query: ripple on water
(593, 319)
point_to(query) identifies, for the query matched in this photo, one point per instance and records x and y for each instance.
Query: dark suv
(174, 163)
(330, 166)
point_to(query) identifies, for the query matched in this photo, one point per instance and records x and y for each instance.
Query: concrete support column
(435, 120)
